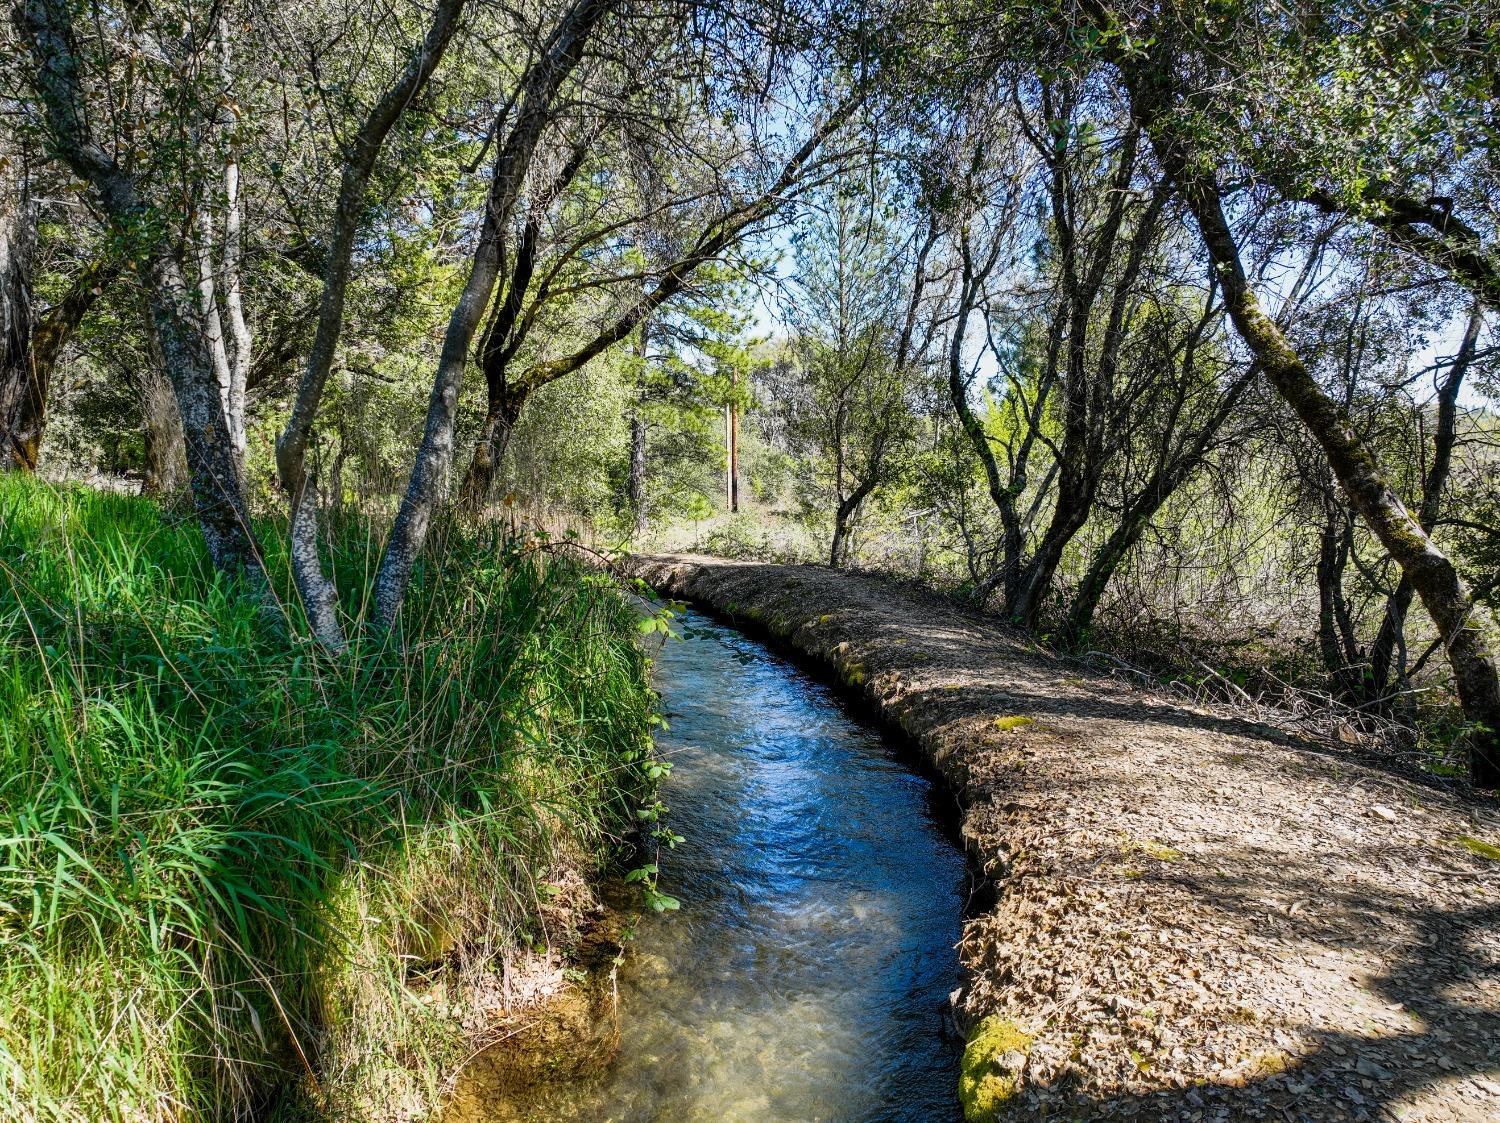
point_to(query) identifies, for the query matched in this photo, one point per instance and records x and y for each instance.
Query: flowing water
(806, 976)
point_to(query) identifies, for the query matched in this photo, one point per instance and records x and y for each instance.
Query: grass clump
(239, 877)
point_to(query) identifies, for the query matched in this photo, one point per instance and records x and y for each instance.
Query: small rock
(1383, 812)
(1371, 1069)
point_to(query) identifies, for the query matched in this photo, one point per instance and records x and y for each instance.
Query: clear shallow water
(806, 976)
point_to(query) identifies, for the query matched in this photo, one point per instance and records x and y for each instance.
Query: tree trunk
(732, 474)
(1101, 569)
(25, 386)
(1133, 523)
(635, 485)
(1086, 392)
(166, 450)
(22, 397)
(1431, 572)
(428, 484)
(1068, 518)
(1387, 656)
(317, 592)
(843, 518)
(490, 450)
(335, 496)
(213, 327)
(1336, 640)
(429, 474)
(218, 496)
(502, 339)
(1390, 639)
(840, 535)
(1172, 471)
(1002, 496)
(635, 479)
(238, 347)
(218, 493)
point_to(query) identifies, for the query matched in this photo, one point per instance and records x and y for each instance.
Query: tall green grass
(240, 878)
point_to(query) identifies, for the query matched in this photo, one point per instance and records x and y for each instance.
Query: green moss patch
(1160, 852)
(1272, 1064)
(1479, 846)
(989, 1074)
(1013, 721)
(1157, 851)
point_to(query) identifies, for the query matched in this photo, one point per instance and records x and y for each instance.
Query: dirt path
(1196, 917)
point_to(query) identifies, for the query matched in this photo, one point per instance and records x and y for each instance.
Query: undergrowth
(241, 878)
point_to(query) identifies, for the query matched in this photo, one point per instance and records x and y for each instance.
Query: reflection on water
(807, 974)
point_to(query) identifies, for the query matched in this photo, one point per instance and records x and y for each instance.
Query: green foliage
(739, 536)
(567, 460)
(224, 855)
(1479, 534)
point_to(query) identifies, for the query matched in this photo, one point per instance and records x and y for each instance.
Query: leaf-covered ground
(1196, 917)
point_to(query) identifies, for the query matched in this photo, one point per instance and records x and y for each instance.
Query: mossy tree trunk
(1153, 97)
(489, 450)
(218, 494)
(166, 451)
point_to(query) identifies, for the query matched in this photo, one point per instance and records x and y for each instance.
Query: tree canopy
(1121, 319)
